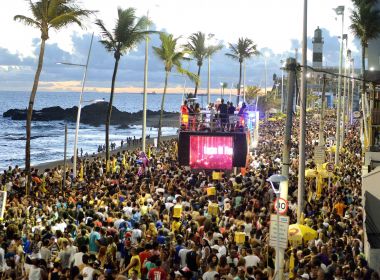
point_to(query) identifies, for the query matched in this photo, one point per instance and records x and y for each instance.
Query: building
(373, 52)
(318, 48)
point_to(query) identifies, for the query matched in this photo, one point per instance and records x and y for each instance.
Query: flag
(108, 166)
(114, 165)
(81, 172)
(124, 162)
(148, 151)
(291, 266)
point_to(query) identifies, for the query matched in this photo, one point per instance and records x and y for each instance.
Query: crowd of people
(218, 116)
(119, 221)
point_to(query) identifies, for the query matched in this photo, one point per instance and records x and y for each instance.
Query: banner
(3, 201)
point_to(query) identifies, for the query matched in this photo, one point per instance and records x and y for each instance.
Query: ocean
(47, 142)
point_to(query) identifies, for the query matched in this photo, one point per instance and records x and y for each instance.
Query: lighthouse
(317, 48)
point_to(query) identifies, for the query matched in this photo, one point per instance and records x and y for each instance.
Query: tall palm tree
(365, 24)
(46, 15)
(197, 48)
(244, 49)
(128, 32)
(171, 57)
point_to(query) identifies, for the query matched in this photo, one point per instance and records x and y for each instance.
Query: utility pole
(321, 123)
(344, 98)
(143, 133)
(339, 11)
(291, 69)
(64, 160)
(303, 99)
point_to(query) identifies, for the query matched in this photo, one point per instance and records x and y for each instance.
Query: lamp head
(277, 178)
(339, 10)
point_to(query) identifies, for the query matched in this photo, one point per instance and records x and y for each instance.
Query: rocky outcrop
(94, 114)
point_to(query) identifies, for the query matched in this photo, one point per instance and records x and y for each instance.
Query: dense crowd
(153, 219)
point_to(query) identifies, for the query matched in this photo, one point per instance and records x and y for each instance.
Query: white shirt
(182, 254)
(34, 273)
(88, 273)
(209, 275)
(78, 259)
(3, 264)
(251, 260)
(222, 251)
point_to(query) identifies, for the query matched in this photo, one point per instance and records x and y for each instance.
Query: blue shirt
(92, 244)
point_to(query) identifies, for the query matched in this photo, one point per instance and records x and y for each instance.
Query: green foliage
(197, 47)
(171, 57)
(365, 20)
(128, 32)
(251, 93)
(244, 49)
(55, 14)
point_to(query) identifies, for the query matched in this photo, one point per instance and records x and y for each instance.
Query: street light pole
(244, 76)
(266, 74)
(276, 178)
(143, 134)
(209, 73)
(80, 109)
(282, 86)
(339, 11)
(303, 99)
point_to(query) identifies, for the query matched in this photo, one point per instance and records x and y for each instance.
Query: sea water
(47, 142)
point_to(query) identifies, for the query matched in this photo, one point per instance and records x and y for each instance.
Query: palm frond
(106, 35)
(27, 21)
(211, 50)
(192, 76)
(71, 16)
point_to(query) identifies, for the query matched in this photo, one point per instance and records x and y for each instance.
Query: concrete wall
(370, 183)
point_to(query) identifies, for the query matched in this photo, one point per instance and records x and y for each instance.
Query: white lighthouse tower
(317, 48)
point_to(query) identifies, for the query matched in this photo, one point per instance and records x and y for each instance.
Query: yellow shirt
(137, 267)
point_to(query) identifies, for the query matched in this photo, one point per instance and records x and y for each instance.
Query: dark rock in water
(94, 114)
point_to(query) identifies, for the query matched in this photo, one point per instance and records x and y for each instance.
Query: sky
(274, 25)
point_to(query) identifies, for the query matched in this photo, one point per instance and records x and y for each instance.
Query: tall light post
(302, 135)
(282, 84)
(344, 101)
(352, 62)
(266, 55)
(145, 97)
(244, 76)
(340, 12)
(278, 179)
(209, 37)
(221, 90)
(80, 104)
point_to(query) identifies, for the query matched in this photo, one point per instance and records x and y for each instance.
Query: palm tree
(197, 48)
(46, 15)
(365, 25)
(171, 57)
(128, 32)
(244, 49)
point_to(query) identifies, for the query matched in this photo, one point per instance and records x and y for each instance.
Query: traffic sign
(319, 154)
(278, 233)
(330, 167)
(281, 205)
(356, 114)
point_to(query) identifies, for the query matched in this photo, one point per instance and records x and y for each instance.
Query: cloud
(18, 72)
